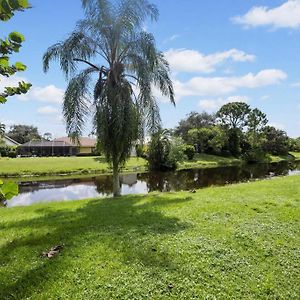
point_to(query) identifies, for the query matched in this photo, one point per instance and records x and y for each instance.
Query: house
(47, 148)
(86, 145)
(9, 142)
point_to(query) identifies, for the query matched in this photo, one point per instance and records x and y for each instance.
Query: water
(74, 189)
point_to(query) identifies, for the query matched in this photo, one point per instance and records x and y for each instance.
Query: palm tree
(123, 67)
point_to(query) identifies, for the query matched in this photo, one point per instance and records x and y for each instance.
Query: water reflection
(74, 189)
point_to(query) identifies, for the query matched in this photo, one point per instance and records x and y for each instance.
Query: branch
(87, 62)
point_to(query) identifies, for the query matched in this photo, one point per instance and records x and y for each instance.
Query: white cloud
(49, 94)
(215, 86)
(171, 38)
(47, 110)
(211, 105)
(185, 60)
(286, 15)
(10, 81)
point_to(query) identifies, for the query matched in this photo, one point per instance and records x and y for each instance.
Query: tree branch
(87, 62)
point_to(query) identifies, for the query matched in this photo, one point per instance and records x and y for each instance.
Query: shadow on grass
(125, 225)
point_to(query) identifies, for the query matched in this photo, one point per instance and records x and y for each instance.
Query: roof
(11, 140)
(41, 143)
(83, 141)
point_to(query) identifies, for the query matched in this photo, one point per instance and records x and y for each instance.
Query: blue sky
(219, 51)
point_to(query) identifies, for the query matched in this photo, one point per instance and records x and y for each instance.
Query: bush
(8, 151)
(159, 157)
(189, 151)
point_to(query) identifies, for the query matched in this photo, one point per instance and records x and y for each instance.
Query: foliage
(276, 141)
(194, 120)
(112, 31)
(23, 133)
(8, 190)
(294, 144)
(9, 46)
(234, 115)
(159, 157)
(189, 151)
(8, 151)
(177, 149)
(208, 139)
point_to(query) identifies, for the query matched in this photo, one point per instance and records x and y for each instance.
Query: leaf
(20, 67)
(17, 37)
(4, 61)
(2, 99)
(9, 189)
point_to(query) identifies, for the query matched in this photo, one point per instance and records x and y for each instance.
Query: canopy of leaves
(23, 133)
(10, 45)
(234, 114)
(192, 121)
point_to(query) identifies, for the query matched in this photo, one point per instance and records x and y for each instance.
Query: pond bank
(81, 166)
(237, 241)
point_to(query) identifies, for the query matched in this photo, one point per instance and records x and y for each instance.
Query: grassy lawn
(209, 161)
(234, 242)
(296, 155)
(62, 165)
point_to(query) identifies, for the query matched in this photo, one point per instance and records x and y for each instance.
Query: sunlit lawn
(234, 242)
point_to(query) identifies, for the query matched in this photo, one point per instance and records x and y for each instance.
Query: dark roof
(46, 144)
(83, 141)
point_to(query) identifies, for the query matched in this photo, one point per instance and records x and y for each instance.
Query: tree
(47, 136)
(159, 152)
(234, 117)
(192, 121)
(2, 130)
(118, 54)
(234, 114)
(256, 123)
(23, 133)
(276, 141)
(11, 45)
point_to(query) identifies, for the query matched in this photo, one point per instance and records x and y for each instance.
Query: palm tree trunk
(116, 180)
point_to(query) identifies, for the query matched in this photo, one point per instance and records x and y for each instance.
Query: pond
(101, 186)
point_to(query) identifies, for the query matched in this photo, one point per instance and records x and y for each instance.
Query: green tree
(234, 114)
(119, 54)
(234, 117)
(194, 120)
(23, 133)
(9, 46)
(159, 151)
(276, 141)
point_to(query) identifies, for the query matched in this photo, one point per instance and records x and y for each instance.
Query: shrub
(189, 151)
(159, 157)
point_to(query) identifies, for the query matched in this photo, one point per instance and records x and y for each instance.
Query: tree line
(235, 130)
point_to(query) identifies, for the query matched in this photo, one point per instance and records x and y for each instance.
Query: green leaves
(8, 190)
(7, 8)
(11, 45)
(16, 37)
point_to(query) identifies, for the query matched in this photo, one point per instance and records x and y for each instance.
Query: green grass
(296, 155)
(234, 242)
(209, 161)
(62, 165)
(51, 166)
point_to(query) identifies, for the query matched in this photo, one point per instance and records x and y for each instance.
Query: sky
(219, 51)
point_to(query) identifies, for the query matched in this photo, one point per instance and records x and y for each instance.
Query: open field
(234, 242)
(18, 167)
